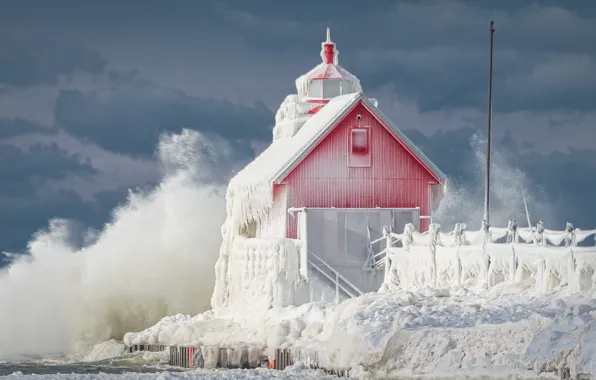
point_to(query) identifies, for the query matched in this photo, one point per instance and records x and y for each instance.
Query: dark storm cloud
(11, 128)
(436, 52)
(23, 172)
(130, 116)
(23, 216)
(29, 64)
(26, 201)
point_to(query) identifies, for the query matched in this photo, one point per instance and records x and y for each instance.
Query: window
(315, 89)
(359, 149)
(331, 88)
(346, 87)
(359, 141)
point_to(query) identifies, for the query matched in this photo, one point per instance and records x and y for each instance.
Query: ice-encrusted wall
(262, 273)
(462, 257)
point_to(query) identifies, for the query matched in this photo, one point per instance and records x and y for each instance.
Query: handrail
(331, 278)
(337, 274)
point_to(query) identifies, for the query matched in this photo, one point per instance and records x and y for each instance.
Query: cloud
(24, 171)
(15, 127)
(25, 199)
(28, 64)
(129, 117)
(558, 184)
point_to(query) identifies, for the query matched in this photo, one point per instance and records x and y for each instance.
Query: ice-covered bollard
(435, 240)
(408, 236)
(570, 238)
(433, 233)
(540, 232)
(512, 231)
(459, 237)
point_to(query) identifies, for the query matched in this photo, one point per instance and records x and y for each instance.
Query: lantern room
(327, 80)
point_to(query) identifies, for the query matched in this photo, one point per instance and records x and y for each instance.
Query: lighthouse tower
(308, 209)
(326, 80)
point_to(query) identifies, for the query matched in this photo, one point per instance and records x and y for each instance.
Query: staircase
(326, 273)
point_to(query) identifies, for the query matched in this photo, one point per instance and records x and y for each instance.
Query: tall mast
(490, 119)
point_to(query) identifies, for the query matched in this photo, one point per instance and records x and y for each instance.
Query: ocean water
(25, 368)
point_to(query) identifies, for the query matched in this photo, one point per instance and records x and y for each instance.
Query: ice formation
(250, 197)
(436, 259)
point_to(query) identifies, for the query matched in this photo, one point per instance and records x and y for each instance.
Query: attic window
(359, 141)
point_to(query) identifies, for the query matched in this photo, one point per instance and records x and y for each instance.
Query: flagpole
(488, 141)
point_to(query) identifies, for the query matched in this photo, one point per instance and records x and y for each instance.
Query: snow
(417, 331)
(441, 310)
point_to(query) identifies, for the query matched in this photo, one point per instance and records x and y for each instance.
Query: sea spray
(155, 258)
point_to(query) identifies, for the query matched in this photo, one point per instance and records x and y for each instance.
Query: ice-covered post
(570, 238)
(540, 232)
(408, 236)
(435, 239)
(388, 244)
(486, 240)
(512, 231)
(459, 239)
(541, 282)
(570, 242)
(512, 239)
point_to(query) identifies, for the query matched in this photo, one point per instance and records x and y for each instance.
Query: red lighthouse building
(338, 171)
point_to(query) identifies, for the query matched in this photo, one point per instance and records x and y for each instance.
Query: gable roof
(275, 162)
(249, 192)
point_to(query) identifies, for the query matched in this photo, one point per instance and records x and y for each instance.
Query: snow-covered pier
(552, 258)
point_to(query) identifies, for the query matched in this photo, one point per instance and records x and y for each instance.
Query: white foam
(155, 259)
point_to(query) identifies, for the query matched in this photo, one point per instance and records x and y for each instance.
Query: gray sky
(86, 88)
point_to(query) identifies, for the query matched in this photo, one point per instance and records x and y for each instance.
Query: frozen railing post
(408, 236)
(388, 244)
(459, 238)
(540, 232)
(512, 231)
(512, 238)
(570, 238)
(485, 241)
(435, 239)
(541, 281)
(458, 234)
(570, 242)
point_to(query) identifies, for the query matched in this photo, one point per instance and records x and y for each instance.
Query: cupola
(327, 80)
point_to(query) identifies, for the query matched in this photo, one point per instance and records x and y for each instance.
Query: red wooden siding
(394, 179)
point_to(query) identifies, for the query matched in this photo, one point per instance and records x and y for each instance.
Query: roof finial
(328, 53)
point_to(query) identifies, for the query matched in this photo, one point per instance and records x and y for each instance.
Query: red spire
(329, 49)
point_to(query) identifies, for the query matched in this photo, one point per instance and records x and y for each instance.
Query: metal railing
(340, 282)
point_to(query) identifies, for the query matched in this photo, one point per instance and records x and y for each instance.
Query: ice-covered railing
(492, 255)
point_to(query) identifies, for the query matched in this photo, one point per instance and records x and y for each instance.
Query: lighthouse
(337, 172)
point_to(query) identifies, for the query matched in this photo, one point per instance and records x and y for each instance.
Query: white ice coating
(436, 259)
(249, 197)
